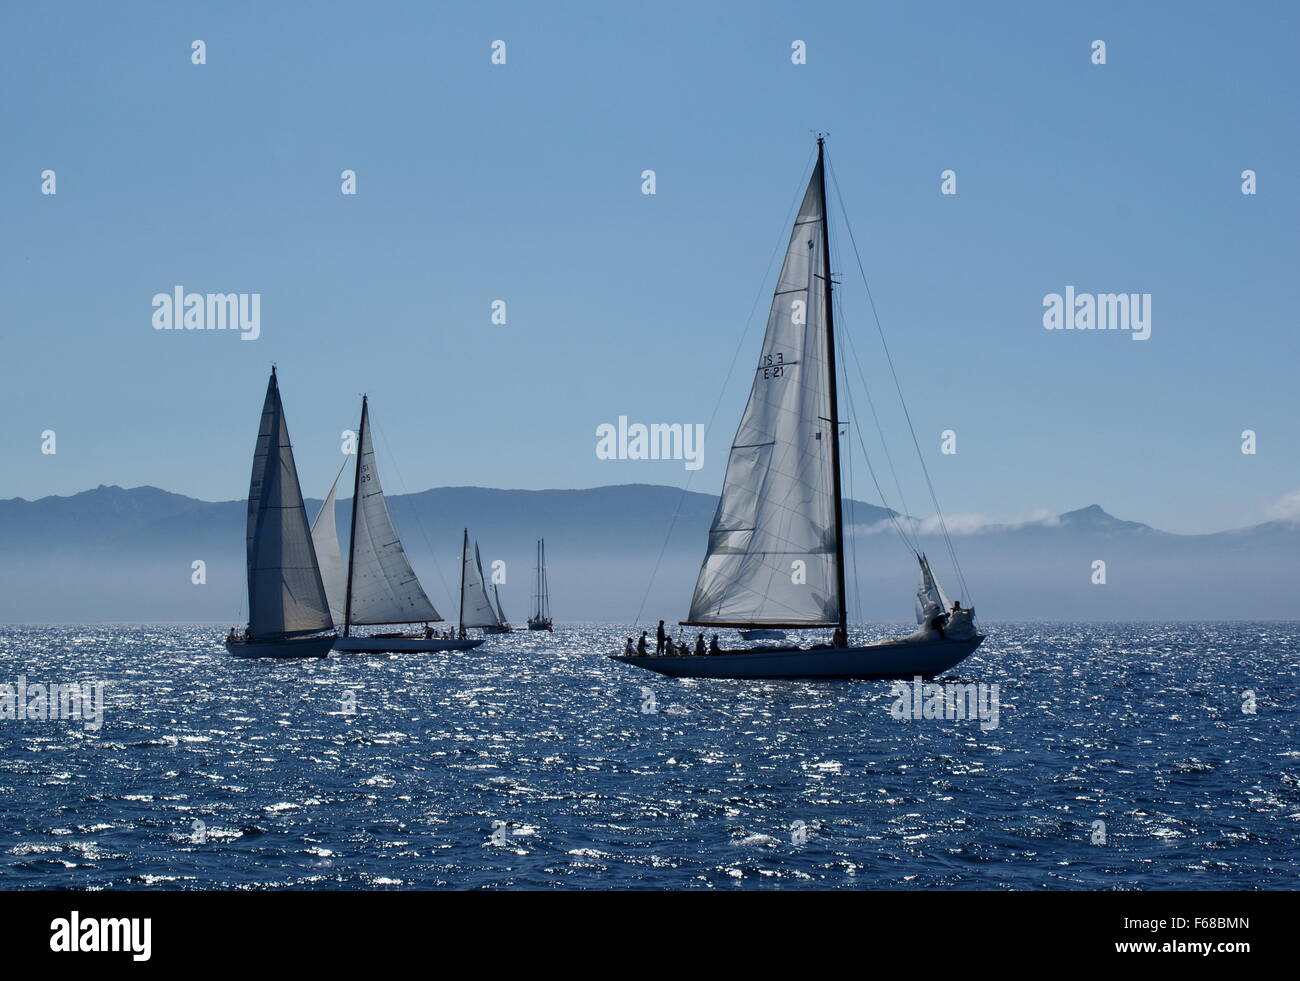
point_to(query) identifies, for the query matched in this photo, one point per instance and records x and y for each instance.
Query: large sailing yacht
(541, 618)
(377, 586)
(775, 558)
(287, 609)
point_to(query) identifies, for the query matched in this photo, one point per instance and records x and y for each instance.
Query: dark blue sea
(1123, 758)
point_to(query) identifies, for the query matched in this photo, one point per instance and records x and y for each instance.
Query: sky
(522, 182)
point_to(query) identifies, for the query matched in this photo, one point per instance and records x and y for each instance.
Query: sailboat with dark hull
(378, 586)
(541, 618)
(287, 609)
(775, 558)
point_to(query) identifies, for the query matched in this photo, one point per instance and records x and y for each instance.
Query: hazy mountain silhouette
(115, 554)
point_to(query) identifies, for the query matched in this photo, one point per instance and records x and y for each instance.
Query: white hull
(885, 660)
(400, 645)
(295, 647)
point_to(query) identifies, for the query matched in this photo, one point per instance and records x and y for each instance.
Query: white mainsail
(384, 588)
(772, 555)
(475, 607)
(285, 594)
(325, 537)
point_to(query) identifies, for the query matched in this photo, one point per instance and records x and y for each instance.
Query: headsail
(501, 614)
(325, 537)
(772, 555)
(475, 607)
(384, 588)
(930, 598)
(285, 594)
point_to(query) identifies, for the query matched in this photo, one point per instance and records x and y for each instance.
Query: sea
(1121, 756)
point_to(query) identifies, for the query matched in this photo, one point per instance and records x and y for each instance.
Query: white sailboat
(781, 511)
(378, 586)
(476, 609)
(287, 608)
(541, 618)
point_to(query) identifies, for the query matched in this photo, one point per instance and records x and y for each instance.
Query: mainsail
(774, 555)
(475, 607)
(325, 537)
(285, 594)
(382, 586)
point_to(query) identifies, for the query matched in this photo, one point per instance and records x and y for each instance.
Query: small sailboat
(541, 618)
(476, 609)
(287, 608)
(502, 624)
(378, 586)
(775, 558)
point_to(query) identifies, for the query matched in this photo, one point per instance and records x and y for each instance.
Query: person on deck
(641, 644)
(667, 647)
(713, 645)
(699, 645)
(938, 622)
(428, 632)
(840, 638)
(628, 648)
(659, 638)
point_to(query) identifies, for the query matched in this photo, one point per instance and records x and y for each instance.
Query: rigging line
(415, 511)
(783, 241)
(884, 444)
(853, 413)
(934, 499)
(910, 543)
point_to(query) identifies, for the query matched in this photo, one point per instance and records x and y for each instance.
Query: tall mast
(834, 397)
(352, 532)
(460, 611)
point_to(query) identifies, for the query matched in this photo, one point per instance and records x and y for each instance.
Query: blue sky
(522, 182)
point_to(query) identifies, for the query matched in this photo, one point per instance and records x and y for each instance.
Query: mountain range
(114, 554)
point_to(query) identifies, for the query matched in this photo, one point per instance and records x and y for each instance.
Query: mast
(460, 610)
(834, 397)
(352, 532)
(544, 589)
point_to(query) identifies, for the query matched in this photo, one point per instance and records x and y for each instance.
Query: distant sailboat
(287, 608)
(476, 609)
(379, 586)
(781, 504)
(541, 618)
(502, 624)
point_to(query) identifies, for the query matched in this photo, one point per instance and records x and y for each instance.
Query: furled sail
(771, 558)
(285, 594)
(325, 537)
(475, 607)
(930, 598)
(384, 586)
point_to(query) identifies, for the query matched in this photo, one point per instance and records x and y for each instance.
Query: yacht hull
(296, 647)
(400, 645)
(884, 660)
